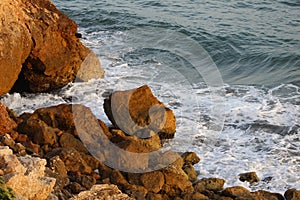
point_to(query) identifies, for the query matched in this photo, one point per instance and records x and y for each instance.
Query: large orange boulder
(138, 112)
(39, 50)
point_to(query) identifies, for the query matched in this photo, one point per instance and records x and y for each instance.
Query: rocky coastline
(66, 152)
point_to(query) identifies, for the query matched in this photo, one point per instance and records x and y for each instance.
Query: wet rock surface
(64, 140)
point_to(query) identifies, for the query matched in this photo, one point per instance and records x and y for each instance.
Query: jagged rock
(18, 148)
(153, 181)
(176, 182)
(265, 195)
(152, 196)
(39, 131)
(137, 112)
(191, 172)
(6, 123)
(136, 191)
(25, 175)
(68, 140)
(73, 161)
(250, 177)
(195, 196)
(211, 184)
(190, 158)
(292, 194)
(238, 192)
(75, 188)
(102, 192)
(45, 44)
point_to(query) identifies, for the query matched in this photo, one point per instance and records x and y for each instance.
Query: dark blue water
(252, 42)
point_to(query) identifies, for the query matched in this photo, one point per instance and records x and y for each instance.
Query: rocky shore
(64, 151)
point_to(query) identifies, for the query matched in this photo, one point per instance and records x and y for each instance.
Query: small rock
(250, 177)
(292, 194)
(6, 123)
(153, 181)
(176, 182)
(136, 191)
(264, 195)
(211, 184)
(68, 140)
(191, 172)
(39, 131)
(237, 192)
(75, 188)
(152, 196)
(87, 181)
(190, 158)
(102, 192)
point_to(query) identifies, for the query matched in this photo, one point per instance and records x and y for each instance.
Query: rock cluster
(39, 50)
(25, 175)
(67, 138)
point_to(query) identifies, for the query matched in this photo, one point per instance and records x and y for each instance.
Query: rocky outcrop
(138, 112)
(25, 175)
(39, 50)
(67, 135)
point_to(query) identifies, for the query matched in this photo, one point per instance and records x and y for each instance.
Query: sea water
(249, 121)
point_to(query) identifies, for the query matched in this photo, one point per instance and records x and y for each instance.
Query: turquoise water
(248, 122)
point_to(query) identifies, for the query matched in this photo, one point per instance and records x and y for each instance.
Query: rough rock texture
(6, 123)
(43, 52)
(102, 192)
(250, 177)
(292, 194)
(211, 184)
(138, 112)
(25, 175)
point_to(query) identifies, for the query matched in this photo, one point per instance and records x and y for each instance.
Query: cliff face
(39, 50)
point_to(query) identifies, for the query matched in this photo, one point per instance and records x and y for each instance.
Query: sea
(229, 69)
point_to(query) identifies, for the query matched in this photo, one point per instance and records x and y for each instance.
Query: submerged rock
(43, 53)
(250, 177)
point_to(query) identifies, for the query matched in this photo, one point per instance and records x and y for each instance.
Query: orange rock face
(39, 50)
(6, 123)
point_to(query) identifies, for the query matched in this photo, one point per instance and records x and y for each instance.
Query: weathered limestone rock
(6, 123)
(102, 192)
(43, 52)
(138, 112)
(25, 175)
